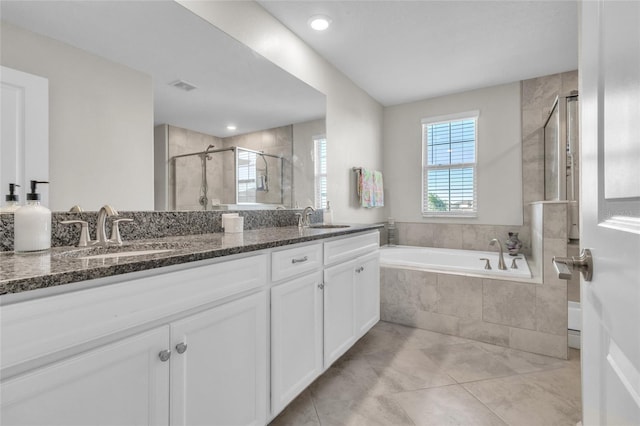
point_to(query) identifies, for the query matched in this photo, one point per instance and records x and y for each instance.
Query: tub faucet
(501, 264)
(101, 233)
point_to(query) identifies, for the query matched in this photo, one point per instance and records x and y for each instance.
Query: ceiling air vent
(183, 85)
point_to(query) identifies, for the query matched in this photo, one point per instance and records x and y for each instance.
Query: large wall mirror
(211, 123)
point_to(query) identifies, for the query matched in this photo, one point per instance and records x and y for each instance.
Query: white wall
(95, 157)
(499, 168)
(354, 119)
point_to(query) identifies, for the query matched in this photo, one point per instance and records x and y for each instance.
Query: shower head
(206, 151)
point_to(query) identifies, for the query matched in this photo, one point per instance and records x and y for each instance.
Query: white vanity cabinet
(351, 292)
(219, 365)
(296, 322)
(86, 389)
(200, 359)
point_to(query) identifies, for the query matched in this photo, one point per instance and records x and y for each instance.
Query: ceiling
(403, 51)
(168, 42)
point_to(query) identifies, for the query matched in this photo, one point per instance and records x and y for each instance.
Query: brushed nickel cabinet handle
(165, 355)
(300, 260)
(181, 347)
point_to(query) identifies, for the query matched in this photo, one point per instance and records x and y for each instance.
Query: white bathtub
(464, 262)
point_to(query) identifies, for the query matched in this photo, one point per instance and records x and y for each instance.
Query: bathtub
(463, 262)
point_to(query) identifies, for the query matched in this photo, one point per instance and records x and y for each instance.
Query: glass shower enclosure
(561, 173)
(215, 178)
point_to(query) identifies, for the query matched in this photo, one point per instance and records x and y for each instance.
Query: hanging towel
(370, 188)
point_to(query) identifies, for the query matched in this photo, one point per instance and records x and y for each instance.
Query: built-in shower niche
(561, 153)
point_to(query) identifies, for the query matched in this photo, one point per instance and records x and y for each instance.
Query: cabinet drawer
(347, 248)
(42, 327)
(295, 261)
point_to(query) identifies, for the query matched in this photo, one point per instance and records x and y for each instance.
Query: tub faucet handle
(486, 265)
(514, 265)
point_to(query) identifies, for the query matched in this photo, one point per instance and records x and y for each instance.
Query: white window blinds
(449, 165)
(320, 175)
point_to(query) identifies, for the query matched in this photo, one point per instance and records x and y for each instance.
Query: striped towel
(370, 188)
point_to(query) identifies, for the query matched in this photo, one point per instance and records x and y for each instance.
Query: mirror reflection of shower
(228, 176)
(204, 186)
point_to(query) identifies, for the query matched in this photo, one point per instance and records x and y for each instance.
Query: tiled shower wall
(537, 99)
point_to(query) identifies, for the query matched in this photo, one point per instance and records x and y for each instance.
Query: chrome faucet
(306, 216)
(501, 265)
(101, 224)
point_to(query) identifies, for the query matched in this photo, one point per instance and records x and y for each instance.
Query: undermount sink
(328, 226)
(125, 250)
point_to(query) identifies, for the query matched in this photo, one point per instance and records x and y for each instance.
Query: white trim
(451, 117)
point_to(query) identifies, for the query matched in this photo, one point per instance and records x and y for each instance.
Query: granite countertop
(64, 265)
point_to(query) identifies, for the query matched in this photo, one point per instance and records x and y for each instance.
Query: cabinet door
(123, 383)
(339, 311)
(221, 377)
(367, 293)
(296, 337)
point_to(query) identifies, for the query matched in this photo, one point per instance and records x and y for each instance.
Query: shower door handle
(566, 265)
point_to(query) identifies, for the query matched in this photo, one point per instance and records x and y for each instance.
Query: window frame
(425, 122)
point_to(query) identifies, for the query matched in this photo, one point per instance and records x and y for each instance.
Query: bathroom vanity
(230, 338)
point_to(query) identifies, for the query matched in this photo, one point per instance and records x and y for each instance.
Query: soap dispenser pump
(32, 223)
(12, 198)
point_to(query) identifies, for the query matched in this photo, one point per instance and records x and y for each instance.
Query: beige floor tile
(448, 405)
(398, 375)
(468, 362)
(419, 338)
(523, 362)
(300, 412)
(376, 411)
(348, 380)
(409, 369)
(542, 398)
(376, 340)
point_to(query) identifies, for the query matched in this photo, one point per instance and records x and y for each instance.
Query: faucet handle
(84, 231)
(299, 216)
(486, 265)
(115, 230)
(514, 265)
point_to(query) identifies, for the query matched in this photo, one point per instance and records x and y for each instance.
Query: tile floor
(397, 375)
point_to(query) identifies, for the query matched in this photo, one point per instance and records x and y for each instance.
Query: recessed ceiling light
(231, 127)
(319, 22)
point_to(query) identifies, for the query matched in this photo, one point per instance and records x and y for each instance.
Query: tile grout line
(484, 405)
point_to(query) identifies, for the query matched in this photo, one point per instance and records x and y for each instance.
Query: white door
(367, 293)
(610, 182)
(220, 378)
(24, 143)
(339, 311)
(296, 337)
(124, 383)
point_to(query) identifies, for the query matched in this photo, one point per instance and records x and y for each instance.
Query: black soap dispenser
(12, 199)
(32, 224)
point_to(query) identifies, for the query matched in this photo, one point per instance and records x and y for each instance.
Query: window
(449, 165)
(246, 176)
(320, 174)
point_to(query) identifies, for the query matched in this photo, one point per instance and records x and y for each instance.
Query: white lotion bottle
(32, 224)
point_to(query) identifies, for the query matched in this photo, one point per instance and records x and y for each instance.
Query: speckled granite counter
(64, 265)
